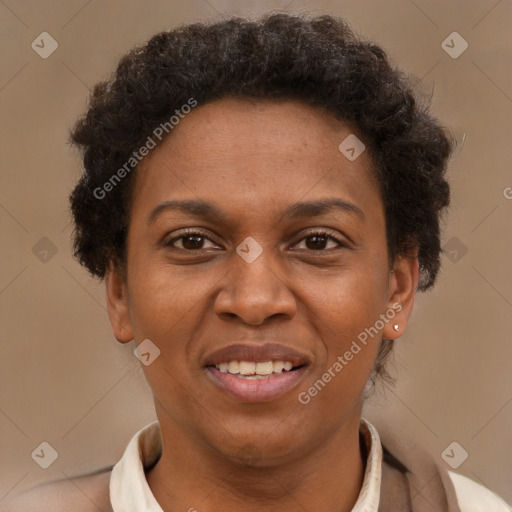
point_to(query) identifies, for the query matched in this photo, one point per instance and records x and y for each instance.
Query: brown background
(66, 381)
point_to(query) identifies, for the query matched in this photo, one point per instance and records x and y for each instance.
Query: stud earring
(395, 327)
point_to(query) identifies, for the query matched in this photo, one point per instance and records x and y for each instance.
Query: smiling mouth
(256, 382)
(251, 370)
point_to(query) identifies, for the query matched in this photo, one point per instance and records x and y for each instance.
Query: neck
(194, 478)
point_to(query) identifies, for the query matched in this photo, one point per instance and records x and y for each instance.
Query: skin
(253, 160)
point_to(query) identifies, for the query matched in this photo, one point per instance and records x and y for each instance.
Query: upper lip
(256, 353)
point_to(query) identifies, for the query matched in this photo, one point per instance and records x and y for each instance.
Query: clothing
(446, 491)
(129, 490)
(399, 477)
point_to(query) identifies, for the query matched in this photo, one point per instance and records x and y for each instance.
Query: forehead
(255, 152)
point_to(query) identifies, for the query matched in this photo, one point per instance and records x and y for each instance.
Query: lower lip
(256, 390)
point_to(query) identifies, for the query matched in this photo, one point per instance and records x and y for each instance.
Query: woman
(262, 200)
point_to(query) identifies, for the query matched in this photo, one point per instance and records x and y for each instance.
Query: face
(253, 239)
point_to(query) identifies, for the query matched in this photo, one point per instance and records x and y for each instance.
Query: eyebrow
(321, 207)
(304, 209)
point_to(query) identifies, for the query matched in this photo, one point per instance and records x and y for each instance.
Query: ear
(403, 283)
(117, 305)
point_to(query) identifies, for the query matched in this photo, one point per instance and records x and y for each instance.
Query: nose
(254, 292)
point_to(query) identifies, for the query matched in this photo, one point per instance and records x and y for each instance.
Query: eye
(318, 240)
(195, 240)
(190, 240)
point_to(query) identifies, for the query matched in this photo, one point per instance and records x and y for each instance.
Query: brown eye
(318, 241)
(191, 241)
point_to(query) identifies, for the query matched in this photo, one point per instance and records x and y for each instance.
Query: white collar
(130, 492)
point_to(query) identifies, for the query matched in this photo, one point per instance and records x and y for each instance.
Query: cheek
(167, 308)
(162, 300)
(347, 353)
(346, 308)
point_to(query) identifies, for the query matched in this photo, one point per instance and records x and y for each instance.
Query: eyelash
(194, 231)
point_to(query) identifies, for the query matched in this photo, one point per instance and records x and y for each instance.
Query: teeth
(233, 367)
(246, 368)
(278, 366)
(251, 377)
(251, 369)
(265, 368)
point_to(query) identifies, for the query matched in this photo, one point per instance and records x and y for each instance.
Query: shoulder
(473, 497)
(88, 493)
(403, 455)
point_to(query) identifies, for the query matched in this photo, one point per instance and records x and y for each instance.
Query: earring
(395, 327)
